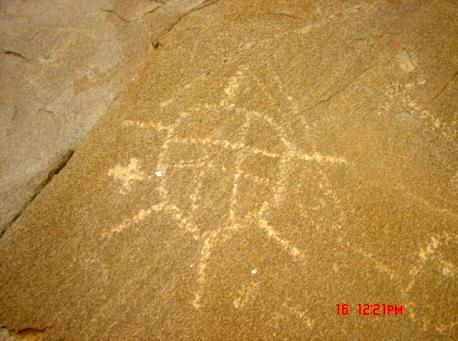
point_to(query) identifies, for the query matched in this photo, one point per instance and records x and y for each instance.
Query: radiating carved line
(289, 248)
(236, 182)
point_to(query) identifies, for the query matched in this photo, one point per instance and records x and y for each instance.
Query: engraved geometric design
(235, 172)
(232, 162)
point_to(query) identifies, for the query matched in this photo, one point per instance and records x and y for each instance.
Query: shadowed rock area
(271, 160)
(62, 63)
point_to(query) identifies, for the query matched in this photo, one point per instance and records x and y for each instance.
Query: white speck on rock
(158, 173)
(248, 45)
(254, 271)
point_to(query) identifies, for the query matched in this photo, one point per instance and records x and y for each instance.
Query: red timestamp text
(381, 309)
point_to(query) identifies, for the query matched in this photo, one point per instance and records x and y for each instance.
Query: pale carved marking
(127, 174)
(236, 182)
(246, 295)
(429, 254)
(298, 313)
(271, 233)
(257, 218)
(398, 98)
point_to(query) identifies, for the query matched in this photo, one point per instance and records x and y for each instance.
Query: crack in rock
(52, 172)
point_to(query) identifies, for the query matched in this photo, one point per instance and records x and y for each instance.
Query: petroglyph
(399, 102)
(302, 315)
(205, 255)
(429, 254)
(270, 161)
(233, 86)
(448, 269)
(127, 174)
(204, 165)
(379, 266)
(145, 125)
(246, 295)
(406, 61)
(236, 182)
(454, 181)
(286, 157)
(292, 250)
(142, 214)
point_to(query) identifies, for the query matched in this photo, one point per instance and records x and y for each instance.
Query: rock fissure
(52, 172)
(14, 53)
(444, 87)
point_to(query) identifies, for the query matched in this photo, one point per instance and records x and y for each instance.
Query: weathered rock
(273, 160)
(62, 64)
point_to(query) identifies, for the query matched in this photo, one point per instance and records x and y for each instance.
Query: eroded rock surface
(62, 63)
(272, 160)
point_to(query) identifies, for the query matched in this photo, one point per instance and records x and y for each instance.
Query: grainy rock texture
(62, 62)
(273, 159)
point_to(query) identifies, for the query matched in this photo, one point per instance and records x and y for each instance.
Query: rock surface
(273, 159)
(62, 63)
